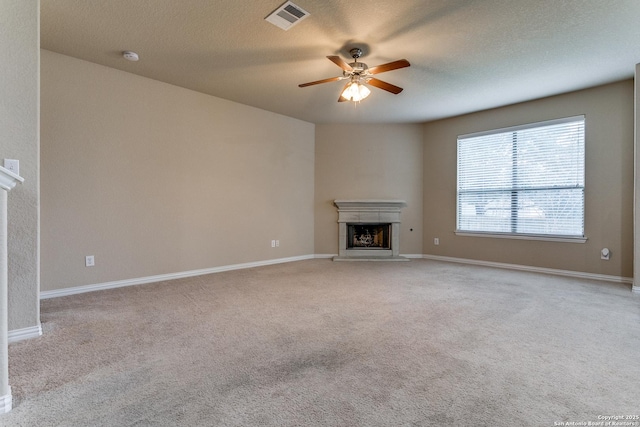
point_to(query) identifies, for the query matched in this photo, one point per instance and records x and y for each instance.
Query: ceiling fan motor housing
(356, 52)
(358, 68)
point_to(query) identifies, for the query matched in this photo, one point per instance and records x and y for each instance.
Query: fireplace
(369, 230)
(368, 236)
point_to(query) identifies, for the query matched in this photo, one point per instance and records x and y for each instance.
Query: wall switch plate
(89, 261)
(436, 241)
(12, 165)
(277, 243)
(273, 243)
(605, 254)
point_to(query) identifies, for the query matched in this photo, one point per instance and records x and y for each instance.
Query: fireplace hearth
(369, 230)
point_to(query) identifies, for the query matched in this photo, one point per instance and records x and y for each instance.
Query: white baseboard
(324, 256)
(6, 403)
(635, 289)
(567, 273)
(412, 256)
(36, 331)
(24, 333)
(162, 277)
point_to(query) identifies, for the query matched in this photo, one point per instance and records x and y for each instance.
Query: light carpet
(318, 343)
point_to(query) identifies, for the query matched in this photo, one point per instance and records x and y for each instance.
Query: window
(523, 181)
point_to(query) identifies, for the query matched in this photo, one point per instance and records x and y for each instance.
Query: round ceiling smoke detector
(130, 56)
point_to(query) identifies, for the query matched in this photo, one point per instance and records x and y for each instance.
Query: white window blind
(525, 180)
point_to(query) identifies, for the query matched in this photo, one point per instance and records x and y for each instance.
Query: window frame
(513, 234)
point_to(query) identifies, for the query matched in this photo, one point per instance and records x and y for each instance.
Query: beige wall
(608, 185)
(367, 161)
(19, 109)
(153, 179)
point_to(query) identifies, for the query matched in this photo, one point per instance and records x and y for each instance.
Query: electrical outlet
(89, 261)
(436, 241)
(605, 254)
(277, 243)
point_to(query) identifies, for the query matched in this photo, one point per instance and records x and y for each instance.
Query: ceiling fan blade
(402, 63)
(317, 82)
(342, 98)
(340, 63)
(384, 85)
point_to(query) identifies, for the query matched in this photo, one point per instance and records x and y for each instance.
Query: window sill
(547, 238)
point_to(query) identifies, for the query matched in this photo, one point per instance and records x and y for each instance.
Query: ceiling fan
(359, 74)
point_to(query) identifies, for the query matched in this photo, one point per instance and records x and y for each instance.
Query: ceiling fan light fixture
(356, 92)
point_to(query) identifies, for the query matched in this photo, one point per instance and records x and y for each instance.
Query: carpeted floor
(318, 343)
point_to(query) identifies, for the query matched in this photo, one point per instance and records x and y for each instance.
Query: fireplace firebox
(368, 236)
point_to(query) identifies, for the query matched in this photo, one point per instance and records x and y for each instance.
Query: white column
(5, 390)
(636, 184)
(8, 180)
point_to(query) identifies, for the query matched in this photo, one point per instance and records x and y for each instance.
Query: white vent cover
(287, 15)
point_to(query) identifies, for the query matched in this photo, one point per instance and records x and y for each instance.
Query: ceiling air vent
(287, 15)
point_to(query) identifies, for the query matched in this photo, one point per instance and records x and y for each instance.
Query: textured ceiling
(465, 55)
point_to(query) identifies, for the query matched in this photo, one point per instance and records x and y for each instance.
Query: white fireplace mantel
(370, 204)
(369, 211)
